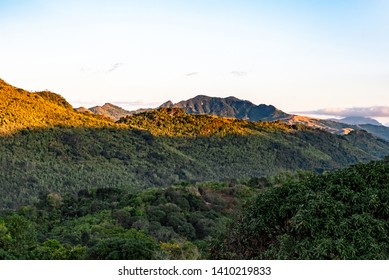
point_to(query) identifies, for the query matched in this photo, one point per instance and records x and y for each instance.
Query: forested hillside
(170, 223)
(166, 147)
(335, 215)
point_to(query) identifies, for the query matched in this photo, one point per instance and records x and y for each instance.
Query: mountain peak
(167, 104)
(108, 105)
(110, 110)
(231, 107)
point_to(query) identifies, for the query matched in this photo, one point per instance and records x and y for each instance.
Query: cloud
(114, 67)
(192, 74)
(105, 69)
(238, 73)
(375, 111)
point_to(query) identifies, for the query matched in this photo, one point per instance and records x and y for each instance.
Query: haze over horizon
(300, 56)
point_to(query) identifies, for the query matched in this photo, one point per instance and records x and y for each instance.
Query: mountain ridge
(243, 109)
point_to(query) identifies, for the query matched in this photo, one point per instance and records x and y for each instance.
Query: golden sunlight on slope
(20, 109)
(318, 123)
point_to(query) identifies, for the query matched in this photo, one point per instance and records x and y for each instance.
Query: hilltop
(231, 107)
(21, 109)
(109, 110)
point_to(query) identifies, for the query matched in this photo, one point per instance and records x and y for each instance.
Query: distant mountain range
(233, 107)
(357, 120)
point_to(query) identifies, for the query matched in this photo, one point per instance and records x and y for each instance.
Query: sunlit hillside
(21, 109)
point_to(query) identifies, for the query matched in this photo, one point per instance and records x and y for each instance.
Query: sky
(302, 56)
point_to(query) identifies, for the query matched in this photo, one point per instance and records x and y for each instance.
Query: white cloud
(238, 73)
(114, 67)
(102, 68)
(192, 74)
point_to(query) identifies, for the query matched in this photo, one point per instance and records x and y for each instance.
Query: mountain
(109, 110)
(21, 109)
(376, 130)
(83, 110)
(236, 108)
(356, 120)
(228, 107)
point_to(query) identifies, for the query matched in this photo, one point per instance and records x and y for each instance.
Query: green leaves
(133, 245)
(338, 215)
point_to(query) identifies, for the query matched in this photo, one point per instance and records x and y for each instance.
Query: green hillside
(46, 146)
(336, 215)
(166, 223)
(63, 159)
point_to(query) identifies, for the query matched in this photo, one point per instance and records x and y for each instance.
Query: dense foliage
(337, 215)
(48, 147)
(68, 159)
(172, 223)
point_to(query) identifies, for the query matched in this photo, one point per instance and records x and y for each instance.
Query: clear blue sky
(298, 55)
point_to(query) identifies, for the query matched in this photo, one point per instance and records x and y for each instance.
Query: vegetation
(171, 223)
(336, 215)
(67, 159)
(46, 146)
(80, 186)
